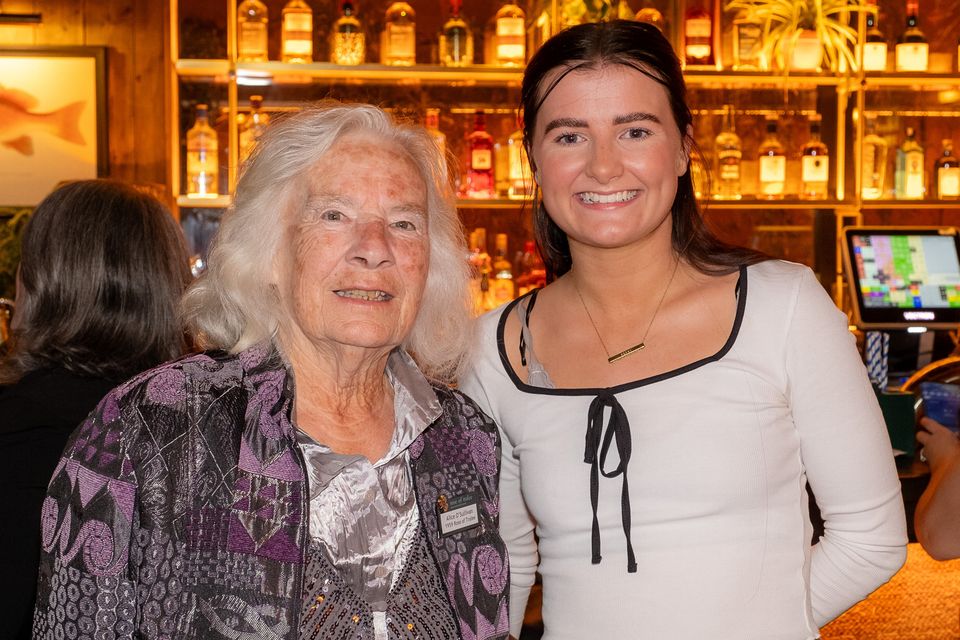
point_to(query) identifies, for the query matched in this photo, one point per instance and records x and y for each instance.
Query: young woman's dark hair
(644, 48)
(102, 270)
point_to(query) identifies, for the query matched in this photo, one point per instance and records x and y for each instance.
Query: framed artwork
(53, 119)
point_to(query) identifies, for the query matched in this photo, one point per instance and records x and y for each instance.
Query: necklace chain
(640, 346)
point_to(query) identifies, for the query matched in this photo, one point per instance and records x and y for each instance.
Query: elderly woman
(312, 478)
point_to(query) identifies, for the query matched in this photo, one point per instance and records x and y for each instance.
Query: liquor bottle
(501, 286)
(728, 152)
(531, 272)
(480, 168)
(814, 164)
(202, 164)
(698, 35)
(773, 164)
(252, 31)
(479, 261)
(909, 178)
(912, 49)
(874, 47)
(456, 39)
(398, 40)
(748, 42)
(252, 127)
(347, 43)
(873, 166)
(510, 48)
(296, 37)
(432, 125)
(651, 15)
(947, 171)
(518, 171)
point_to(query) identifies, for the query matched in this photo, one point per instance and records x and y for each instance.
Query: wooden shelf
(220, 202)
(926, 205)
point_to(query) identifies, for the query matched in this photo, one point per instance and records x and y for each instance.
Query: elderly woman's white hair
(233, 306)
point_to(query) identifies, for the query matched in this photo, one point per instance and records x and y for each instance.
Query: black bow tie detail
(617, 428)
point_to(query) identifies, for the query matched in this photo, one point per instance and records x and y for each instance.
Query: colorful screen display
(907, 271)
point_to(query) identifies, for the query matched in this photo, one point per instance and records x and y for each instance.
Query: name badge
(456, 514)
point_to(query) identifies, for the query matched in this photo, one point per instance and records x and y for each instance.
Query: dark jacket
(37, 415)
(180, 508)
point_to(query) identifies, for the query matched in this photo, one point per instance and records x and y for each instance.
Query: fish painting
(18, 123)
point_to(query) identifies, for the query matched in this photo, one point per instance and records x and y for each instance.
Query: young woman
(666, 398)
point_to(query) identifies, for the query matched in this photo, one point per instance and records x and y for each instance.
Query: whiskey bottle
(252, 31)
(748, 42)
(698, 177)
(909, 179)
(912, 49)
(456, 39)
(252, 127)
(947, 171)
(479, 261)
(432, 125)
(518, 172)
(480, 168)
(532, 274)
(773, 164)
(510, 36)
(202, 163)
(296, 37)
(728, 152)
(874, 47)
(698, 35)
(398, 40)
(814, 165)
(649, 13)
(347, 42)
(501, 287)
(873, 166)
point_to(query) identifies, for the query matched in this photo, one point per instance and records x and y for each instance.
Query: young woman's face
(609, 153)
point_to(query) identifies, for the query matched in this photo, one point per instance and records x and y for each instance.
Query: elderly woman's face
(358, 248)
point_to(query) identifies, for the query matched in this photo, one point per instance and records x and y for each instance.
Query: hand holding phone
(941, 402)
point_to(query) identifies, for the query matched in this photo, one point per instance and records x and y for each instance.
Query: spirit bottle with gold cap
(510, 36)
(814, 165)
(296, 37)
(912, 52)
(202, 161)
(252, 31)
(398, 40)
(947, 172)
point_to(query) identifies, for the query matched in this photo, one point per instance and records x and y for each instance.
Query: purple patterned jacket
(179, 509)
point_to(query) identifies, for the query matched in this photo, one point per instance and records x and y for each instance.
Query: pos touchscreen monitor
(903, 276)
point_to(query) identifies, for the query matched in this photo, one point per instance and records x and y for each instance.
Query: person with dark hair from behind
(102, 270)
(665, 399)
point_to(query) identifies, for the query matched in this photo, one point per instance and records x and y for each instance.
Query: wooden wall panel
(135, 34)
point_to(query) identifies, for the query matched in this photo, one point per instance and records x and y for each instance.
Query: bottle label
(948, 182)
(773, 169)
(298, 48)
(730, 169)
(401, 41)
(298, 22)
(913, 180)
(510, 52)
(698, 28)
(252, 40)
(815, 168)
(875, 56)
(480, 159)
(912, 56)
(749, 37)
(507, 27)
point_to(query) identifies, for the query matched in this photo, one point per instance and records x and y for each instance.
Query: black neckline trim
(627, 386)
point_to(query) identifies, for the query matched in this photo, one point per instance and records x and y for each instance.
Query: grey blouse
(364, 515)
